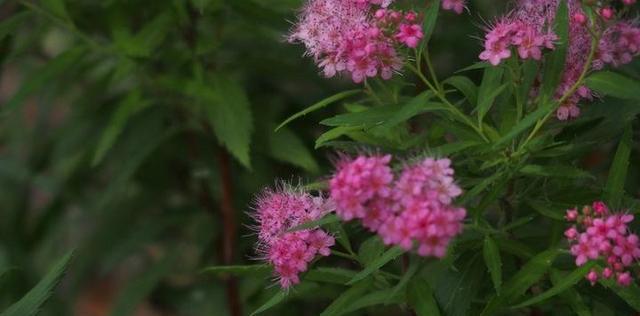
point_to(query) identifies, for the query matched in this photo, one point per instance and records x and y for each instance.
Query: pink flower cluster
(456, 6)
(415, 207)
(527, 30)
(290, 252)
(357, 37)
(599, 234)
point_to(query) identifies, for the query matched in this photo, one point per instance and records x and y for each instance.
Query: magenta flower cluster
(414, 208)
(527, 30)
(599, 234)
(290, 252)
(456, 6)
(356, 37)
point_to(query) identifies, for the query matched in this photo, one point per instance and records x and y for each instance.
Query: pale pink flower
(456, 6)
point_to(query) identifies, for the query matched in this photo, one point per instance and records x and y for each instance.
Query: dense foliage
(156, 157)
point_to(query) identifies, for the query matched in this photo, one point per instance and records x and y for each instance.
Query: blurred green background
(137, 132)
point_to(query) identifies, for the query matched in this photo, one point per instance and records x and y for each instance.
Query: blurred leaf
(420, 297)
(489, 89)
(338, 306)
(614, 189)
(370, 249)
(567, 282)
(141, 286)
(41, 77)
(524, 124)
(546, 209)
(125, 109)
(406, 276)
(9, 25)
(430, 19)
(147, 40)
(372, 299)
(341, 235)
(319, 105)
(466, 86)
(492, 259)
(228, 110)
(555, 61)
(371, 117)
(273, 301)
(57, 8)
(248, 270)
(31, 303)
(334, 133)
(571, 296)
(376, 264)
(614, 84)
(286, 146)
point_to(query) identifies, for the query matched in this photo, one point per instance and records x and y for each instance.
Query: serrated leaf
(492, 259)
(555, 61)
(567, 282)
(378, 263)
(286, 146)
(319, 105)
(466, 86)
(227, 107)
(247, 270)
(31, 302)
(614, 84)
(128, 107)
(328, 219)
(614, 189)
(139, 288)
(347, 297)
(420, 297)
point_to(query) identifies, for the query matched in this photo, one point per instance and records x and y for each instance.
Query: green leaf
(489, 89)
(420, 297)
(31, 302)
(57, 8)
(334, 133)
(341, 235)
(466, 86)
(373, 116)
(227, 107)
(528, 275)
(344, 300)
(331, 218)
(372, 299)
(247, 270)
(406, 276)
(319, 105)
(630, 294)
(430, 19)
(146, 41)
(378, 263)
(128, 107)
(492, 259)
(571, 296)
(370, 249)
(44, 75)
(141, 286)
(547, 209)
(286, 146)
(555, 171)
(555, 61)
(524, 124)
(614, 84)
(417, 105)
(273, 301)
(566, 283)
(614, 189)
(330, 275)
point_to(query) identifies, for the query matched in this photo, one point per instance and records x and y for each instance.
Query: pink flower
(571, 233)
(495, 52)
(624, 279)
(585, 249)
(572, 215)
(409, 34)
(454, 5)
(592, 276)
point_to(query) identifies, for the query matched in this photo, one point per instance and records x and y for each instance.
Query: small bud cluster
(356, 37)
(415, 207)
(456, 6)
(598, 234)
(290, 252)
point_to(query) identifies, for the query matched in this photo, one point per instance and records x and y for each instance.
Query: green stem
(343, 254)
(587, 66)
